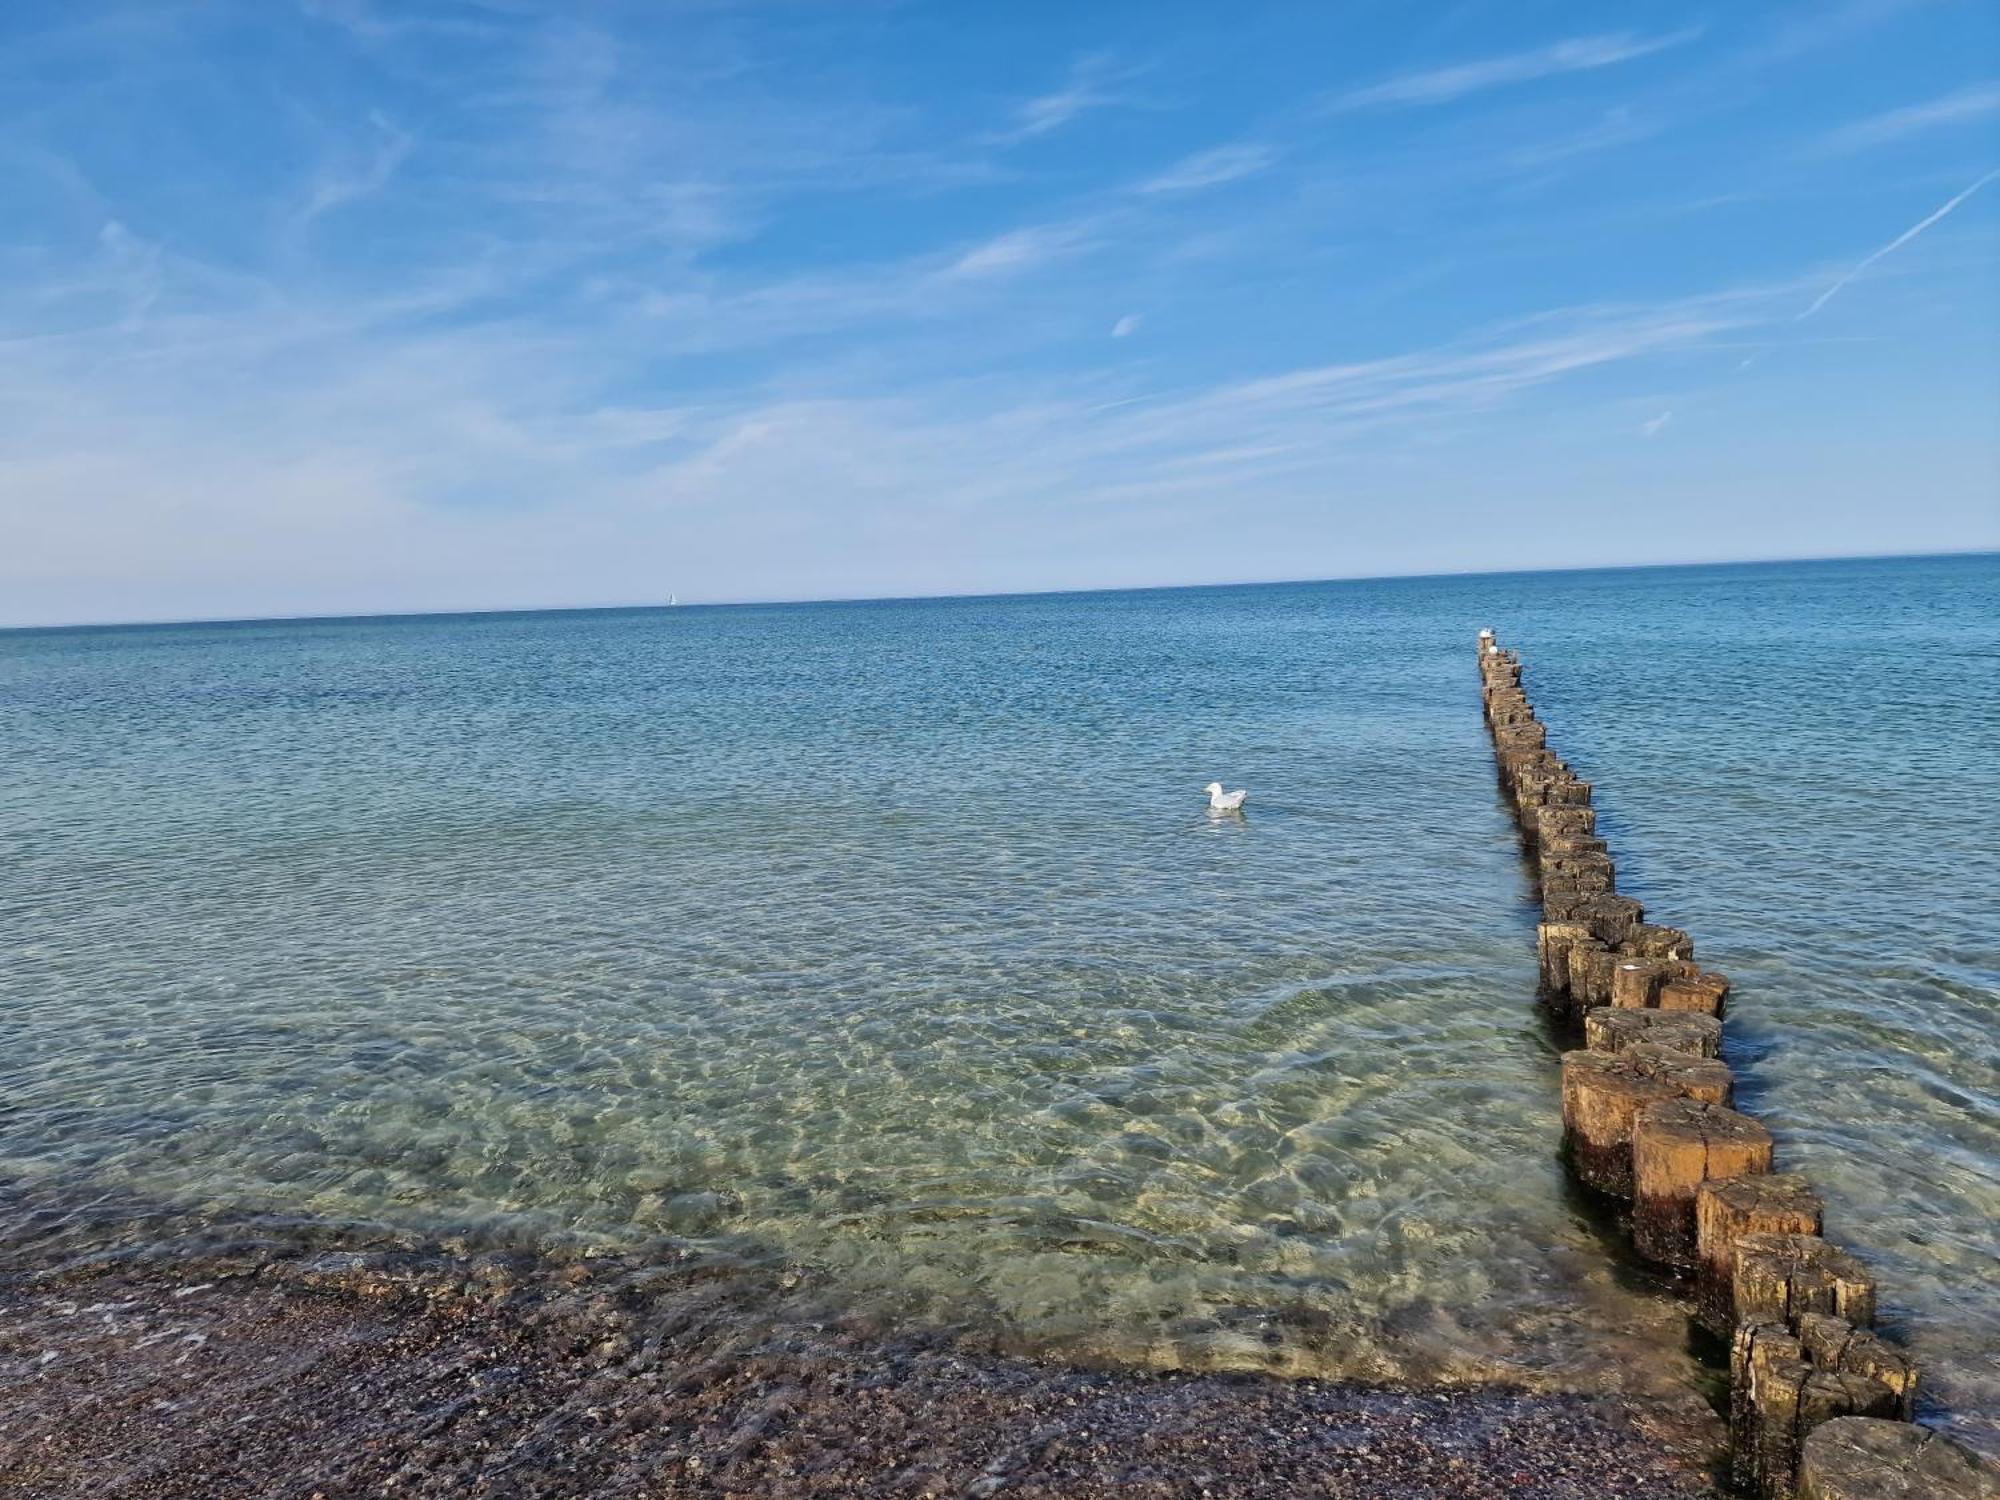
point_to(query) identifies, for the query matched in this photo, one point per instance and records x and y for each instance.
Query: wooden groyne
(1820, 1405)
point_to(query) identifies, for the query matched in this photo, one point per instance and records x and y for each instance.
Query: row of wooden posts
(1820, 1406)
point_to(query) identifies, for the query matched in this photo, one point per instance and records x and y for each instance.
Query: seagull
(1221, 801)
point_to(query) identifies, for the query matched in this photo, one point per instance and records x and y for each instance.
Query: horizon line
(1137, 588)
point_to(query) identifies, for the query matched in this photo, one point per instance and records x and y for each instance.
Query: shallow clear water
(894, 938)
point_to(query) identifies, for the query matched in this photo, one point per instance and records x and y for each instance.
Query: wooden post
(1613, 917)
(1869, 1458)
(1767, 1370)
(1835, 1344)
(1591, 967)
(1569, 790)
(1586, 875)
(1603, 1093)
(1676, 1147)
(1555, 822)
(1552, 946)
(1608, 1029)
(1575, 843)
(1557, 859)
(1649, 941)
(1726, 1211)
(1636, 982)
(1779, 1278)
(1704, 994)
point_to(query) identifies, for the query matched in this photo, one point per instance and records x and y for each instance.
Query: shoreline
(294, 1371)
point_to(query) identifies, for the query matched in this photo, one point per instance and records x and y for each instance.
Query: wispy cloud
(1967, 104)
(1206, 169)
(1574, 55)
(1653, 426)
(351, 181)
(1896, 244)
(1617, 127)
(1018, 250)
(1092, 84)
(1126, 326)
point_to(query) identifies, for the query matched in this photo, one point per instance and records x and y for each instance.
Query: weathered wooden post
(1553, 941)
(1726, 1211)
(1870, 1458)
(1636, 982)
(1603, 1093)
(1834, 1343)
(1676, 1147)
(1590, 875)
(1779, 1278)
(1649, 940)
(1589, 973)
(1608, 1029)
(1704, 994)
(1611, 918)
(1563, 819)
(1777, 1398)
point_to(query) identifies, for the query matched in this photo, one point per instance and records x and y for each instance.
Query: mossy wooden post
(1779, 1278)
(1603, 1093)
(1608, 1029)
(1676, 1147)
(1871, 1458)
(1726, 1211)
(1704, 994)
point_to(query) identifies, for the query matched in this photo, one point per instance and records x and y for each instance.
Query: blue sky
(333, 306)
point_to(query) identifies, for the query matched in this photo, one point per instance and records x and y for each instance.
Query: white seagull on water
(1221, 801)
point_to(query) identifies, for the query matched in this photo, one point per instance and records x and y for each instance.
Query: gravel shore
(350, 1374)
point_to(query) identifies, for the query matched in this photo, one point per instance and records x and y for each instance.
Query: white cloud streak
(1574, 55)
(1091, 85)
(1968, 104)
(1206, 169)
(335, 187)
(1896, 244)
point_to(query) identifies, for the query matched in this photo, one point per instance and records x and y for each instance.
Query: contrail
(1902, 239)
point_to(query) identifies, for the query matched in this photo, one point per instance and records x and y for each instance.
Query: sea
(895, 940)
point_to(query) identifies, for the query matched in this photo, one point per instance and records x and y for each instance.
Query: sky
(355, 306)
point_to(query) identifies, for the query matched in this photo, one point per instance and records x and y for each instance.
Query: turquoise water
(895, 939)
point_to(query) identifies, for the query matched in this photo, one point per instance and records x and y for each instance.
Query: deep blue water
(895, 938)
